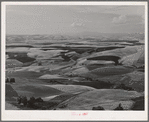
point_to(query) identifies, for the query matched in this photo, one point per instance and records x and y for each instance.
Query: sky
(62, 19)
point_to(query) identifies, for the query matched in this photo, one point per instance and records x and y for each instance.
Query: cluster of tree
(22, 99)
(36, 103)
(29, 103)
(52, 81)
(98, 108)
(101, 108)
(89, 79)
(11, 80)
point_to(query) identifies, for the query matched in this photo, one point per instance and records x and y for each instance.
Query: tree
(119, 107)
(24, 101)
(39, 99)
(7, 80)
(98, 108)
(31, 102)
(12, 80)
(44, 108)
(19, 99)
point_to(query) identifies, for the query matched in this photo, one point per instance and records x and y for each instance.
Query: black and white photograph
(80, 58)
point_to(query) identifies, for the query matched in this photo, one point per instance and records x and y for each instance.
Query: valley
(75, 72)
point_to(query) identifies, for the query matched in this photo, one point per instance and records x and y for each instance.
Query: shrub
(7, 80)
(43, 108)
(98, 108)
(24, 101)
(39, 99)
(31, 102)
(37, 105)
(19, 99)
(119, 107)
(12, 80)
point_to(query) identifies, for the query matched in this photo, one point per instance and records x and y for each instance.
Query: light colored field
(76, 71)
(32, 68)
(9, 106)
(48, 76)
(37, 68)
(108, 71)
(40, 54)
(49, 97)
(71, 88)
(18, 50)
(121, 52)
(90, 62)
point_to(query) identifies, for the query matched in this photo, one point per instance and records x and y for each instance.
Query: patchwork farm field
(55, 72)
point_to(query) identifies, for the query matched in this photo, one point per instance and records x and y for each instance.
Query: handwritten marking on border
(79, 114)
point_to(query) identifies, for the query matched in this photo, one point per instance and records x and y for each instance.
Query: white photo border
(51, 115)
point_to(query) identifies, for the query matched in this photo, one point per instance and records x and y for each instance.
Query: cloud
(129, 19)
(77, 24)
(120, 20)
(20, 12)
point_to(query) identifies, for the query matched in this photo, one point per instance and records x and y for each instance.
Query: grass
(36, 90)
(87, 100)
(63, 97)
(95, 66)
(28, 84)
(10, 92)
(106, 58)
(25, 74)
(72, 88)
(114, 70)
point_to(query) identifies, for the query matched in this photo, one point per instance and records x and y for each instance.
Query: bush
(39, 99)
(19, 100)
(7, 80)
(12, 80)
(98, 108)
(119, 107)
(43, 108)
(24, 101)
(31, 102)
